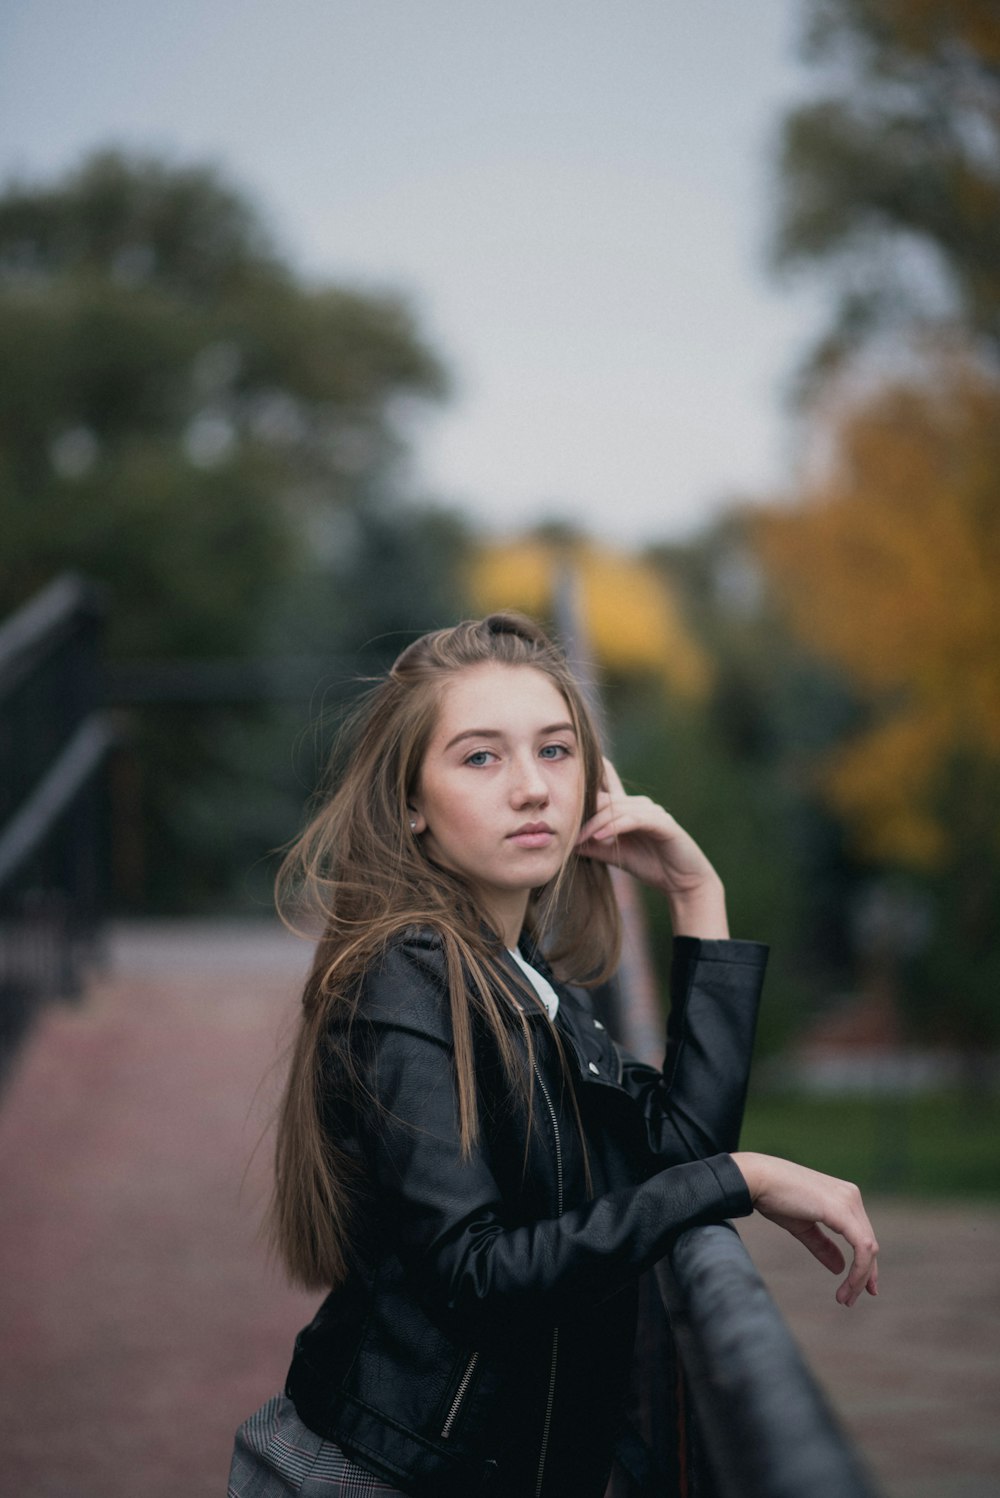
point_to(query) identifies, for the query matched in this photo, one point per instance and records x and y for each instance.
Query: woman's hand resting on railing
(804, 1202)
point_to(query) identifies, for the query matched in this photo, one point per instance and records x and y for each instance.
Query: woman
(465, 1161)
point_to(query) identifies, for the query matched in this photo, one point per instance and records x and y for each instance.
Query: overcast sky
(575, 196)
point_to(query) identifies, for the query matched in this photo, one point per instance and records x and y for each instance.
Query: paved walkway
(140, 1322)
(915, 1374)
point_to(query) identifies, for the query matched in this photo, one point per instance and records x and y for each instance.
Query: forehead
(508, 698)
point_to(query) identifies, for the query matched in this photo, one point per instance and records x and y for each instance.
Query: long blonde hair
(359, 873)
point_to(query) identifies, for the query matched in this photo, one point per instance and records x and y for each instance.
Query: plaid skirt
(277, 1456)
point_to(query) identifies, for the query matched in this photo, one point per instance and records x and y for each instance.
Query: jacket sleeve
(452, 1227)
(694, 1107)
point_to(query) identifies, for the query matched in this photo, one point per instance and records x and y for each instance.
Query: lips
(532, 835)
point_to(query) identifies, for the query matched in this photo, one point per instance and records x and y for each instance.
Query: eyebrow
(494, 733)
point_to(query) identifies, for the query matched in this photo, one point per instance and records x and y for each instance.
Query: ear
(418, 822)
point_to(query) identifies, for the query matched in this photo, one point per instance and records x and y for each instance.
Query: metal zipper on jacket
(546, 1427)
(460, 1393)
(555, 1133)
(543, 1453)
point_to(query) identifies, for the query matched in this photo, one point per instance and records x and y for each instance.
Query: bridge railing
(764, 1427)
(54, 737)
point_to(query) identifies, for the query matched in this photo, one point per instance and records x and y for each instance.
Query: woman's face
(499, 797)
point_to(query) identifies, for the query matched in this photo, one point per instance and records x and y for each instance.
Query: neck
(506, 913)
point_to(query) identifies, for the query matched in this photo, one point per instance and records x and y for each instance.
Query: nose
(528, 784)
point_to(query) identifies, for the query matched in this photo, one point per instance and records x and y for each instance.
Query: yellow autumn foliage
(631, 619)
(879, 782)
(891, 569)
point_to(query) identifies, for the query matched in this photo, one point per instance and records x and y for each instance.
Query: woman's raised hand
(637, 835)
(804, 1202)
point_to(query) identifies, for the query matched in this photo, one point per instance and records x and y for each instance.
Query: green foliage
(133, 222)
(218, 445)
(935, 1145)
(890, 189)
(395, 574)
(186, 559)
(740, 775)
(152, 345)
(953, 978)
(889, 182)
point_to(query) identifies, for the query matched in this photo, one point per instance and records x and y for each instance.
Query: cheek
(454, 814)
(458, 824)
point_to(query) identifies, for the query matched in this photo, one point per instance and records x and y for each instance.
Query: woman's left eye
(554, 751)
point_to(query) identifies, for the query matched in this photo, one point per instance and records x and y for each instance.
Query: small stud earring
(413, 825)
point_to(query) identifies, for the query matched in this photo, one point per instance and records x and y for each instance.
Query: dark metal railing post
(54, 738)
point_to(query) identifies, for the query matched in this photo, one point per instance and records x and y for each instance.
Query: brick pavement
(140, 1321)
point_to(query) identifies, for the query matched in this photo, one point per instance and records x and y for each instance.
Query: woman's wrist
(700, 912)
(746, 1162)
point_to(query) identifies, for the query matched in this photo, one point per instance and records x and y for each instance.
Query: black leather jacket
(482, 1341)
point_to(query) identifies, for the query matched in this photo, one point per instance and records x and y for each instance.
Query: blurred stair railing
(54, 738)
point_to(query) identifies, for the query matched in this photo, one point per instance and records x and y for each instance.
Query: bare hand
(637, 835)
(803, 1202)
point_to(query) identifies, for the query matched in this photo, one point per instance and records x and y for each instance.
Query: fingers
(607, 822)
(612, 800)
(859, 1233)
(599, 827)
(863, 1273)
(805, 1202)
(823, 1248)
(612, 780)
(616, 817)
(852, 1223)
(616, 813)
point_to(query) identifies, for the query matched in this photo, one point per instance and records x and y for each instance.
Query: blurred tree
(890, 182)
(632, 620)
(177, 415)
(738, 770)
(220, 445)
(890, 567)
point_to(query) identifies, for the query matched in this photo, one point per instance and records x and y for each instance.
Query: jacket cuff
(695, 1193)
(719, 949)
(739, 1202)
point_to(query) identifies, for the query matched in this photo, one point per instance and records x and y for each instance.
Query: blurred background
(325, 324)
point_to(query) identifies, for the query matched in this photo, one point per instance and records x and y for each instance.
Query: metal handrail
(41, 624)
(54, 793)
(767, 1430)
(54, 740)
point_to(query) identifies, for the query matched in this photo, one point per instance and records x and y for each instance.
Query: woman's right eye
(479, 757)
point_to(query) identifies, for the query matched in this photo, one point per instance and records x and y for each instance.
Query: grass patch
(935, 1145)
